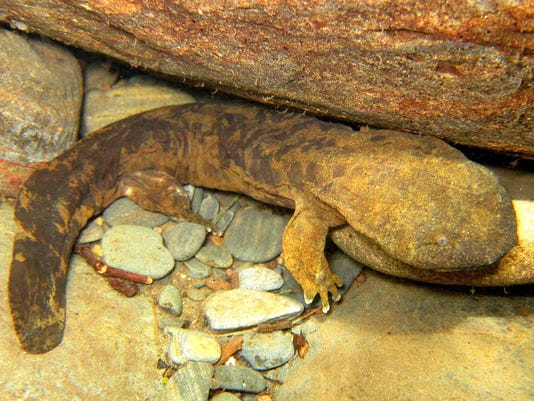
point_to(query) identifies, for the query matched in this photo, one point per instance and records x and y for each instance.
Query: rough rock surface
(40, 101)
(460, 70)
(35, 74)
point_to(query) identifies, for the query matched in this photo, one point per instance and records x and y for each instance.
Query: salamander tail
(51, 209)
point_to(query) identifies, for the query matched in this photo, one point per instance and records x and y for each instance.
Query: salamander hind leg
(303, 251)
(159, 192)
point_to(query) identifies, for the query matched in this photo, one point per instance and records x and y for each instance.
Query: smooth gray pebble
(126, 211)
(197, 269)
(209, 207)
(196, 200)
(267, 350)
(184, 239)
(238, 378)
(227, 218)
(171, 300)
(216, 256)
(255, 236)
(260, 278)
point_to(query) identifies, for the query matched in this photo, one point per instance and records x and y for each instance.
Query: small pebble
(125, 211)
(267, 350)
(170, 299)
(260, 278)
(255, 236)
(241, 308)
(184, 240)
(197, 294)
(227, 218)
(92, 232)
(196, 200)
(216, 256)
(137, 249)
(224, 397)
(209, 207)
(238, 378)
(190, 383)
(197, 269)
(191, 345)
(190, 189)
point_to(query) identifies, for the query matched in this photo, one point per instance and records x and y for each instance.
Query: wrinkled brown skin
(421, 201)
(514, 268)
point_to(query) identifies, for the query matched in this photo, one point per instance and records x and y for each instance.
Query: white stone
(239, 308)
(260, 278)
(190, 345)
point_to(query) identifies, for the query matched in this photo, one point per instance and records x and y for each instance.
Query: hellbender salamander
(418, 199)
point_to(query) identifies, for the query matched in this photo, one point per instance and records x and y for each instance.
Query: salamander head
(432, 213)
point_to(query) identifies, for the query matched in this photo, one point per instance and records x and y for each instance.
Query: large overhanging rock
(460, 70)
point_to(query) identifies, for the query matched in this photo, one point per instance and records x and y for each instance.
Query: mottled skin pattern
(422, 202)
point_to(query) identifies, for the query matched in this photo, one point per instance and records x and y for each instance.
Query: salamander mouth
(449, 256)
(448, 252)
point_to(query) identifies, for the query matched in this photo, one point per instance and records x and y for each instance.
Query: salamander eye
(442, 240)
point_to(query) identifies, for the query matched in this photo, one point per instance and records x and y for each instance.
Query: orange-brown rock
(458, 70)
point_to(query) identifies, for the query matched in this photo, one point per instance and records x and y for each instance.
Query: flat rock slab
(240, 308)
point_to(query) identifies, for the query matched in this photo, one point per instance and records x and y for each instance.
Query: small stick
(108, 271)
(280, 325)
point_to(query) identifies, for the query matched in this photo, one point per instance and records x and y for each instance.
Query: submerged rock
(240, 308)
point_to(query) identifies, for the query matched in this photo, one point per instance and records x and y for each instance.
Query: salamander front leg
(303, 251)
